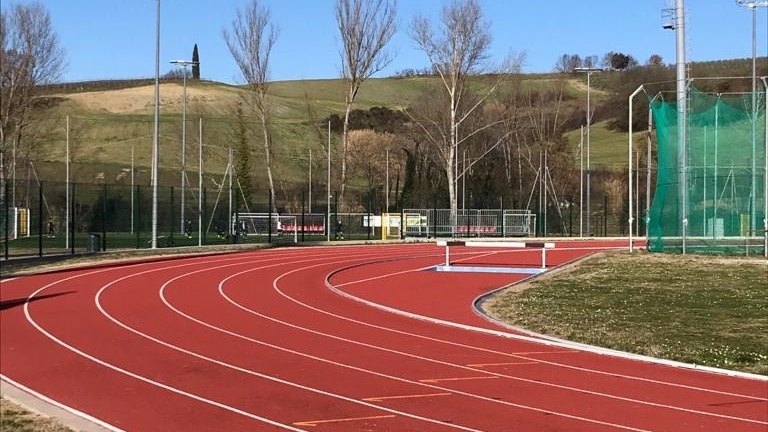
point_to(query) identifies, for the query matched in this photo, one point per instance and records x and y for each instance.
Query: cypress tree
(196, 64)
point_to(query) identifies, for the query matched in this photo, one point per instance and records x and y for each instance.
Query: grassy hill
(111, 122)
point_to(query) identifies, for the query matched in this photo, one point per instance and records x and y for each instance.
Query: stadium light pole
(753, 5)
(589, 71)
(328, 222)
(200, 182)
(156, 133)
(765, 171)
(675, 20)
(183, 64)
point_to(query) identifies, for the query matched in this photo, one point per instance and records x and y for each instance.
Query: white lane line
(134, 375)
(320, 359)
(248, 371)
(532, 339)
(530, 381)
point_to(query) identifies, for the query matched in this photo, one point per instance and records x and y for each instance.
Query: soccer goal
(519, 223)
(264, 224)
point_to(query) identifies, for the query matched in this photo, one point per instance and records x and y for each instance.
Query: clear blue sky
(111, 39)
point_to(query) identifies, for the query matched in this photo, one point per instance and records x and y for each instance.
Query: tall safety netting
(710, 190)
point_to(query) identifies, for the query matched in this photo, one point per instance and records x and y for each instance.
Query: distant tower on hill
(195, 64)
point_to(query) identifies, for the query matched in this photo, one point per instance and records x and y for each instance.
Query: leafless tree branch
(365, 26)
(250, 42)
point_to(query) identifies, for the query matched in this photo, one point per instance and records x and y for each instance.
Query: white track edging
(536, 338)
(38, 402)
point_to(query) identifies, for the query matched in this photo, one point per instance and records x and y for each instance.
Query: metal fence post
(137, 193)
(369, 214)
(7, 219)
(40, 219)
(173, 218)
(72, 219)
(104, 220)
(203, 217)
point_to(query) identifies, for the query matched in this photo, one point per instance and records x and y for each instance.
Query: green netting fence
(710, 193)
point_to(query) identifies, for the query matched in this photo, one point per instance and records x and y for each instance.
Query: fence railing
(59, 218)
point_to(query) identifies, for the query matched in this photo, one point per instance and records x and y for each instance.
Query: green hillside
(108, 126)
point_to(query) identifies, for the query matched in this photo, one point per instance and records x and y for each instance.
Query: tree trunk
(344, 147)
(268, 159)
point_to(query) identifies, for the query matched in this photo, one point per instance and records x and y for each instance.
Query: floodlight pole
(67, 227)
(678, 25)
(328, 186)
(630, 194)
(589, 71)
(765, 172)
(581, 182)
(183, 64)
(753, 5)
(156, 134)
(200, 183)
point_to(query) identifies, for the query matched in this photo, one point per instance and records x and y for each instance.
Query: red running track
(333, 339)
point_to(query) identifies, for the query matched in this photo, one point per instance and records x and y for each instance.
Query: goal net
(264, 224)
(519, 223)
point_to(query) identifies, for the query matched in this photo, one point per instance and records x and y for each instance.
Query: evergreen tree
(243, 160)
(195, 64)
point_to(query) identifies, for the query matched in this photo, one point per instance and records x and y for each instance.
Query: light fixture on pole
(156, 134)
(753, 5)
(184, 64)
(589, 71)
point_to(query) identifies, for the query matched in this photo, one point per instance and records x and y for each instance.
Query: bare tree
(457, 52)
(567, 63)
(250, 43)
(366, 26)
(368, 158)
(30, 56)
(590, 61)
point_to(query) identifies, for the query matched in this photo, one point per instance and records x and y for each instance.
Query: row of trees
(459, 115)
(569, 63)
(478, 122)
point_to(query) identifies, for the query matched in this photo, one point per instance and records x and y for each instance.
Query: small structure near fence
(17, 224)
(266, 224)
(469, 223)
(414, 223)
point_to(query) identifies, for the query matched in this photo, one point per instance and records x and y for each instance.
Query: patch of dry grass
(15, 418)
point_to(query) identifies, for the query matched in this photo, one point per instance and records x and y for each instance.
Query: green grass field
(695, 309)
(608, 149)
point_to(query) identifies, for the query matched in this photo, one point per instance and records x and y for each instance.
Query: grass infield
(704, 310)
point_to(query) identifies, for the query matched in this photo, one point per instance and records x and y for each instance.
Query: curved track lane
(333, 339)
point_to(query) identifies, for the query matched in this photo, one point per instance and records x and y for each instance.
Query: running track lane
(257, 341)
